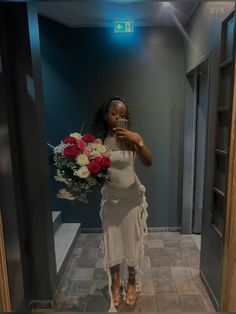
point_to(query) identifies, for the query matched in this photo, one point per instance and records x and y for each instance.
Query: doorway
(195, 133)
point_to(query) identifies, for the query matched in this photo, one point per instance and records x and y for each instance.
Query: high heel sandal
(131, 293)
(116, 292)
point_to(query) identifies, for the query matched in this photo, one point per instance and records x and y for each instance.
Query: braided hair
(100, 126)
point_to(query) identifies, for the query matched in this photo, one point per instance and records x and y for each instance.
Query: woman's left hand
(126, 135)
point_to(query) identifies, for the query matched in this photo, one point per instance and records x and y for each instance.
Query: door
(215, 192)
(195, 133)
(202, 94)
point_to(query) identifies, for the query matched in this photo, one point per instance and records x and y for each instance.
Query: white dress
(123, 214)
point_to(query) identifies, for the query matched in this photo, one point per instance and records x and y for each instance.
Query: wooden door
(214, 220)
(5, 304)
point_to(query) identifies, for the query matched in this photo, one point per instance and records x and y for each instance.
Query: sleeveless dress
(123, 214)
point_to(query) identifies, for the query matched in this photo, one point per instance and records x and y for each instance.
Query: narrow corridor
(170, 277)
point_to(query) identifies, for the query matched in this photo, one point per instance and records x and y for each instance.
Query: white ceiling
(85, 13)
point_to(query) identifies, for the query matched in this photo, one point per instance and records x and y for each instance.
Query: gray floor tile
(157, 243)
(164, 286)
(92, 245)
(99, 287)
(195, 272)
(173, 252)
(154, 235)
(77, 288)
(161, 273)
(193, 303)
(81, 273)
(208, 304)
(178, 261)
(170, 272)
(158, 261)
(80, 243)
(154, 252)
(181, 273)
(186, 287)
(89, 252)
(199, 284)
(170, 243)
(99, 263)
(85, 262)
(190, 251)
(94, 236)
(171, 235)
(100, 274)
(144, 303)
(72, 304)
(147, 276)
(147, 289)
(96, 303)
(193, 261)
(83, 236)
(168, 303)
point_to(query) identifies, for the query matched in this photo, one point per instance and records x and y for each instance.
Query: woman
(123, 206)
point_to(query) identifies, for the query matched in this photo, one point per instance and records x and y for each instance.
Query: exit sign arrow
(124, 27)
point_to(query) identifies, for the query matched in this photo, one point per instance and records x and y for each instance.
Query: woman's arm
(143, 153)
(136, 139)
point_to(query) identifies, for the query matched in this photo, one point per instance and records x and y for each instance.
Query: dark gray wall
(204, 31)
(26, 210)
(82, 67)
(8, 201)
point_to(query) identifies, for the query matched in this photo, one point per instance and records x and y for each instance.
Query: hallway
(170, 277)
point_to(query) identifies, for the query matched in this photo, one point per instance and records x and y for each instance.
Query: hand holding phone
(122, 123)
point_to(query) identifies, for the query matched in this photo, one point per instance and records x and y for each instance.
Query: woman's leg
(116, 290)
(131, 294)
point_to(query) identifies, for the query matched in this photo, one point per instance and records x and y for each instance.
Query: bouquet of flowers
(82, 162)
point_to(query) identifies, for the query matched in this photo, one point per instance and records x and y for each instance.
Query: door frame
(189, 154)
(5, 302)
(228, 287)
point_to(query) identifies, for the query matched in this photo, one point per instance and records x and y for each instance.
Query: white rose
(82, 160)
(100, 148)
(76, 135)
(83, 172)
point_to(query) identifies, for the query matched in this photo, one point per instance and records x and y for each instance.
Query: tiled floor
(170, 277)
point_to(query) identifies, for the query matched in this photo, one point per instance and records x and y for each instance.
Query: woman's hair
(100, 126)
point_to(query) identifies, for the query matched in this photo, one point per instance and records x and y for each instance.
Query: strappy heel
(131, 292)
(116, 291)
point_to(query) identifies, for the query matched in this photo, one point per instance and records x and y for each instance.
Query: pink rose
(81, 145)
(98, 141)
(86, 152)
(94, 167)
(70, 151)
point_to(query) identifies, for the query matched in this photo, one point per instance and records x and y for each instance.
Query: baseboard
(91, 230)
(150, 229)
(41, 304)
(164, 229)
(209, 291)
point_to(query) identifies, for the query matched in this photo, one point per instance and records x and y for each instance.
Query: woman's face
(117, 110)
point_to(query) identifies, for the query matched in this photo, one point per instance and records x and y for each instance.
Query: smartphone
(122, 123)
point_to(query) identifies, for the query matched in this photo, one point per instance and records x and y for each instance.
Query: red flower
(94, 167)
(81, 145)
(105, 162)
(98, 159)
(70, 151)
(70, 140)
(88, 138)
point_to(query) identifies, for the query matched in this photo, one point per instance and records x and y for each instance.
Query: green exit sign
(124, 26)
